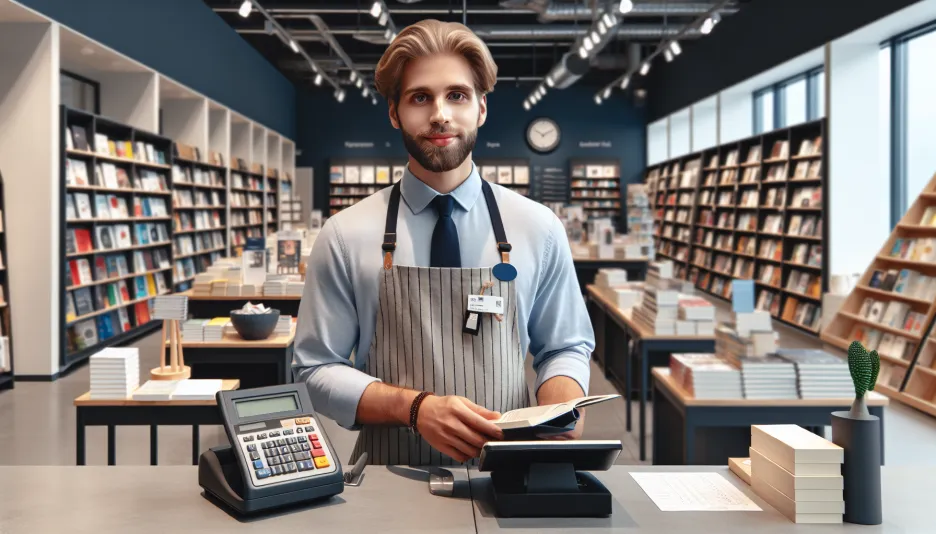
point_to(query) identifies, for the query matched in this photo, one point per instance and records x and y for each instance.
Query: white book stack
(202, 285)
(219, 288)
(233, 288)
(696, 317)
(196, 389)
(295, 287)
(705, 376)
(659, 310)
(193, 330)
(155, 390)
(819, 375)
(274, 285)
(214, 330)
(756, 321)
(115, 373)
(610, 278)
(798, 473)
(768, 378)
(730, 345)
(4, 354)
(283, 326)
(170, 307)
(626, 296)
(250, 290)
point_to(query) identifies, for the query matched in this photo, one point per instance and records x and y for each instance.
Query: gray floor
(37, 423)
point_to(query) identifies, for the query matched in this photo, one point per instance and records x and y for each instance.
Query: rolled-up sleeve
(327, 331)
(561, 334)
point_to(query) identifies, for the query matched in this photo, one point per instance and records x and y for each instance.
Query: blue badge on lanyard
(505, 272)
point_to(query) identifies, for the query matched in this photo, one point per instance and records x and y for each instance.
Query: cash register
(279, 454)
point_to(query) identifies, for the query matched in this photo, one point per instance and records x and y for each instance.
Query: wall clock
(543, 135)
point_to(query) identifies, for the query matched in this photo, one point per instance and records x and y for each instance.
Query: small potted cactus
(859, 434)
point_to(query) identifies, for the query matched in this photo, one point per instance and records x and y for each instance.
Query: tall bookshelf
(6, 371)
(115, 236)
(596, 186)
(353, 180)
(756, 209)
(892, 310)
(199, 221)
(271, 201)
(246, 203)
(512, 173)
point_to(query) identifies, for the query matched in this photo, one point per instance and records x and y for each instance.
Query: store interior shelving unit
(116, 242)
(274, 159)
(246, 184)
(893, 306)
(595, 184)
(351, 180)
(752, 209)
(512, 173)
(6, 371)
(290, 207)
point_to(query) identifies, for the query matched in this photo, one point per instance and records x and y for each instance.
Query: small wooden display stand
(176, 370)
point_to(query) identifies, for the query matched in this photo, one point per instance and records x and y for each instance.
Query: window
(791, 101)
(78, 92)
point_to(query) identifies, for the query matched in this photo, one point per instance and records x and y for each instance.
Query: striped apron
(419, 344)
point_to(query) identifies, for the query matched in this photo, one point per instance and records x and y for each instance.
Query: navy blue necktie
(445, 251)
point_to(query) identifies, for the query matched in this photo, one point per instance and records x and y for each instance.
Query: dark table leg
(644, 379)
(195, 445)
(111, 445)
(689, 431)
(79, 438)
(154, 445)
(628, 389)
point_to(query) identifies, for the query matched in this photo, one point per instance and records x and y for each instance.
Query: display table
(616, 328)
(587, 267)
(689, 431)
(111, 413)
(143, 500)
(266, 362)
(208, 306)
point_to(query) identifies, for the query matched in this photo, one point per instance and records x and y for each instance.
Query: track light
(387, 34)
(365, 92)
(668, 55)
(645, 68)
(707, 26)
(587, 43)
(625, 82)
(245, 8)
(383, 18)
(392, 36)
(374, 100)
(675, 48)
(602, 27)
(595, 38)
(609, 20)
(376, 9)
(339, 95)
(626, 7)
(716, 18)
(318, 79)
(607, 93)
(294, 46)
(526, 106)
(353, 76)
(598, 99)
(358, 83)
(542, 91)
(582, 52)
(550, 82)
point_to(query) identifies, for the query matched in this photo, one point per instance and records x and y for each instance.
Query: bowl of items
(254, 322)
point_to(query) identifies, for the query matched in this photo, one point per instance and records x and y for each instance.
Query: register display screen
(268, 405)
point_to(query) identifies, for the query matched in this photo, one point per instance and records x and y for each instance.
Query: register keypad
(272, 455)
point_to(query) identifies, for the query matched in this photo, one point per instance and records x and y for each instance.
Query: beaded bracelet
(414, 409)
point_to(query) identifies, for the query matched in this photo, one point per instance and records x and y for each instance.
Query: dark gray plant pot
(860, 436)
(254, 327)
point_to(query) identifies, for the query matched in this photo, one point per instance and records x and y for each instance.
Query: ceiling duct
(552, 11)
(628, 31)
(568, 70)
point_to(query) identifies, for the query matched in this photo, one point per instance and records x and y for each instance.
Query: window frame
(811, 76)
(95, 86)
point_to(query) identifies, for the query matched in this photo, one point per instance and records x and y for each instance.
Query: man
(390, 277)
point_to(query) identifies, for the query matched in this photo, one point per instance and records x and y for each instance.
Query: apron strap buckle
(504, 249)
(388, 260)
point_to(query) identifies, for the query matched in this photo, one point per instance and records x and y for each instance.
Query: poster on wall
(367, 174)
(398, 173)
(489, 174)
(504, 175)
(288, 252)
(521, 174)
(352, 174)
(383, 175)
(336, 174)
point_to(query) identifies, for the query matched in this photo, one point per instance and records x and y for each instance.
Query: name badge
(485, 304)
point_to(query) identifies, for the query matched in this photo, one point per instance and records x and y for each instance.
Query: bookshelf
(352, 180)
(596, 185)
(271, 202)
(199, 220)
(116, 244)
(512, 173)
(246, 203)
(290, 207)
(892, 310)
(6, 367)
(756, 210)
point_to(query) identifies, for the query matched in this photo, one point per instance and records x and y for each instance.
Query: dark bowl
(254, 327)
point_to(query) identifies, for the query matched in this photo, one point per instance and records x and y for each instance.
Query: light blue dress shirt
(337, 315)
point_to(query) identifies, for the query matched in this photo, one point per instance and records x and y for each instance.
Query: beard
(439, 158)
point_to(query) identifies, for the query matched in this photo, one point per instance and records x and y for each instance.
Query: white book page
(705, 492)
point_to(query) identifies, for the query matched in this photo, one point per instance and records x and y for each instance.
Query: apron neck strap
(393, 209)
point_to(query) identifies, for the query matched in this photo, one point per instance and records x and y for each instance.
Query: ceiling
(526, 37)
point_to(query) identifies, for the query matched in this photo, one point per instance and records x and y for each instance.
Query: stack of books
(193, 330)
(274, 287)
(639, 225)
(294, 288)
(214, 329)
(731, 345)
(705, 376)
(696, 317)
(170, 307)
(233, 288)
(819, 375)
(250, 290)
(658, 310)
(283, 326)
(188, 389)
(202, 285)
(115, 373)
(798, 473)
(768, 378)
(610, 278)
(747, 323)
(219, 288)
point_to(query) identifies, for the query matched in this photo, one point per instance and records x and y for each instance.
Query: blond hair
(429, 37)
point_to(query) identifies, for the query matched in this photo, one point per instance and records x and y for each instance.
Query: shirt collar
(418, 195)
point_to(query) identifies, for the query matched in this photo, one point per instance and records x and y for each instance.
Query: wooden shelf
(116, 279)
(881, 327)
(196, 230)
(117, 221)
(808, 156)
(203, 186)
(114, 159)
(115, 250)
(108, 309)
(200, 163)
(200, 253)
(803, 265)
(200, 207)
(892, 295)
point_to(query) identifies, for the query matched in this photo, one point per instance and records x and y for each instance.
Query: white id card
(485, 304)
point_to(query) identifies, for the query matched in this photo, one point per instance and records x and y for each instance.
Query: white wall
(186, 120)
(680, 134)
(737, 121)
(131, 98)
(29, 161)
(705, 124)
(658, 142)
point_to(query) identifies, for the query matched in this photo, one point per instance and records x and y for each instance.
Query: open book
(543, 421)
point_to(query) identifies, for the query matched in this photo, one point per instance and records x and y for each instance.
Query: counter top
(393, 499)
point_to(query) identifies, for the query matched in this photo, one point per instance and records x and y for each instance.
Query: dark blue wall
(324, 126)
(187, 41)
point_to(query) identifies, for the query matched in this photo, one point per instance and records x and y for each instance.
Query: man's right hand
(456, 427)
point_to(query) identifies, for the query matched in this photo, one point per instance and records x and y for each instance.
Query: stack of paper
(625, 296)
(180, 390)
(192, 330)
(768, 377)
(4, 354)
(283, 326)
(696, 317)
(705, 376)
(609, 278)
(115, 373)
(214, 330)
(798, 473)
(155, 390)
(820, 375)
